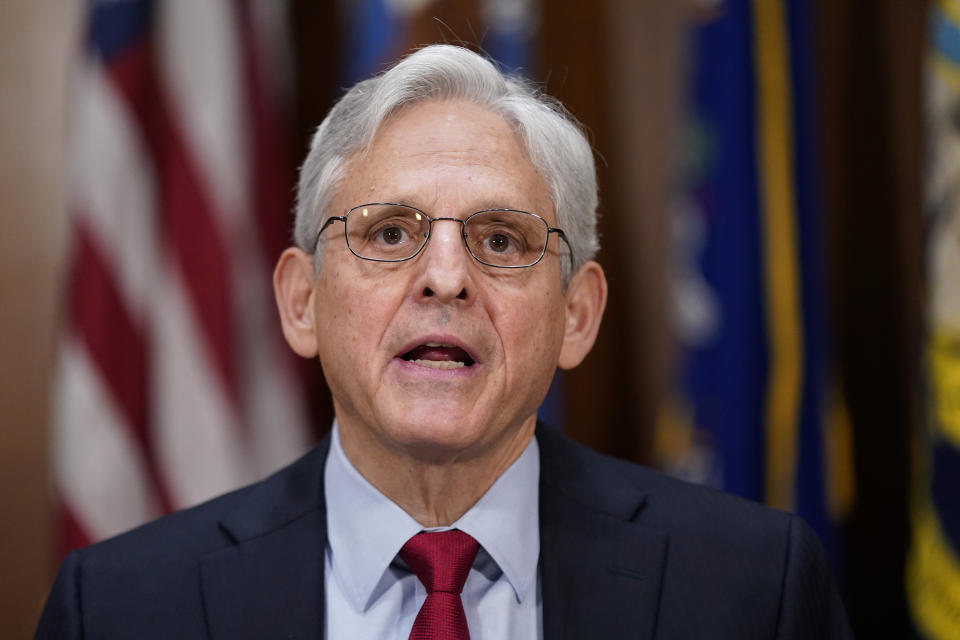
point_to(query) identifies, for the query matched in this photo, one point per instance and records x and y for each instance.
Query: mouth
(439, 355)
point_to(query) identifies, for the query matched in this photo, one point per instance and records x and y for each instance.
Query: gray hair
(554, 142)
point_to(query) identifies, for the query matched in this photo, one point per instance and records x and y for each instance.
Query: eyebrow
(498, 204)
(483, 205)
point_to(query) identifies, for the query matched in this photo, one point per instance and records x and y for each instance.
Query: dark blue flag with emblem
(754, 409)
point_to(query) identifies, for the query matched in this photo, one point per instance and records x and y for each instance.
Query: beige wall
(36, 39)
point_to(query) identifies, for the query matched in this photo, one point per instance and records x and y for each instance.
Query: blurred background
(778, 228)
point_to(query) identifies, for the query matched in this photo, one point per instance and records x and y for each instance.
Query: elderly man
(443, 271)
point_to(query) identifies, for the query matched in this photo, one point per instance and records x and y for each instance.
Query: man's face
(375, 321)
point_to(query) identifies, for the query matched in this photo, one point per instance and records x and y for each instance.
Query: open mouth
(438, 355)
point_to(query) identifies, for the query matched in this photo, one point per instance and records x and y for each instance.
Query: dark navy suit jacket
(626, 552)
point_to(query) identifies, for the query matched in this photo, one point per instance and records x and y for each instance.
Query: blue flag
(755, 409)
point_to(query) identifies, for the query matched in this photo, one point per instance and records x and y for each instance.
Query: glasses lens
(506, 238)
(386, 232)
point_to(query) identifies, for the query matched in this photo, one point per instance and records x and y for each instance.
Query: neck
(435, 489)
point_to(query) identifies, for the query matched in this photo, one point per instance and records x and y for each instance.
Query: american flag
(173, 383)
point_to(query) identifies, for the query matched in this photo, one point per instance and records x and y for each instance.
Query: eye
(392, 235)
(499, 243)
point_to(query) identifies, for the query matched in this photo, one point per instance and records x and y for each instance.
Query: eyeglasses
(387, 232)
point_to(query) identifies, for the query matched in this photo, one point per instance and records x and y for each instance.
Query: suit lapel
(269, 584)
(600, 570)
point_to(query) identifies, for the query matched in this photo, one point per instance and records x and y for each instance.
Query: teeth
(438, 344)
(440, 364)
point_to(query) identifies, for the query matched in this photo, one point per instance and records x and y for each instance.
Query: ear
(293, 284)
(586, 300)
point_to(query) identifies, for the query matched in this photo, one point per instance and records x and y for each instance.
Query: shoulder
(711, 534)
(647, 495)
(183, 536)
(722, 555)
(153, 572)
(175, 539)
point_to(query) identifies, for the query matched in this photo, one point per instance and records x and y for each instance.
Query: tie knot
(440, 559)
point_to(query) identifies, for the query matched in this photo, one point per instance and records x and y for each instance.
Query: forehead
(452, 155)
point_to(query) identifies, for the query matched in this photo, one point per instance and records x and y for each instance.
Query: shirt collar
(506, 521)
(366, 530)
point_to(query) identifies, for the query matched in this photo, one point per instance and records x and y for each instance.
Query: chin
(439, 436)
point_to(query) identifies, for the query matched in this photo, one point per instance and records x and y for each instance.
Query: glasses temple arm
(563, 236)
(316, 240)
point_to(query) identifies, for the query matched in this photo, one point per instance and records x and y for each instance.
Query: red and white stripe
(173, 381)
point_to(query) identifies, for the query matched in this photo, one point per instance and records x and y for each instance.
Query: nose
(445, 265)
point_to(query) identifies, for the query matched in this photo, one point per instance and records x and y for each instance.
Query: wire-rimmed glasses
(390, 232)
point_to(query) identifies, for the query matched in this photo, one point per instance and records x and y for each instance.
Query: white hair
(554, 141)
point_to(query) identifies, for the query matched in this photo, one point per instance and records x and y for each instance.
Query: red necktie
(441, 560)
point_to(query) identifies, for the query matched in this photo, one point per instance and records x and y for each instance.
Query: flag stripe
(109, 333)
(188, 218)
(944, 357)
(112, 188)
(115, 345)
(198, 68)
(933, 579)
(783, 307)
(195, 426)
(273, 176)
(100, 468)
(72, 535)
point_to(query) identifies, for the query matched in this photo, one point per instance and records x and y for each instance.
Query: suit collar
(600, 569)
(269, 584)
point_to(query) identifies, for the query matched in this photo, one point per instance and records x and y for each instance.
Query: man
(443, 270)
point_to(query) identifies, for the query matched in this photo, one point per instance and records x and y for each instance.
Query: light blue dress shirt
(372, 594)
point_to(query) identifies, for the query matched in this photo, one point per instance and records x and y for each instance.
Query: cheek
(531, 329)
(334, 308)
(357, 310)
